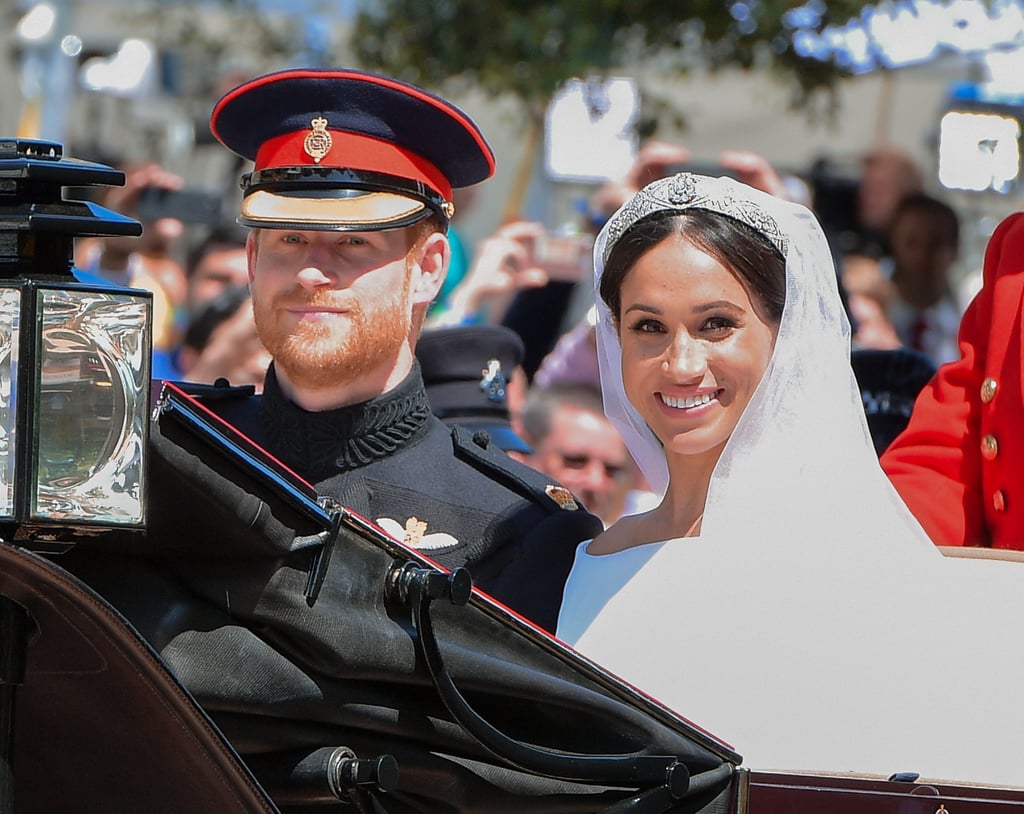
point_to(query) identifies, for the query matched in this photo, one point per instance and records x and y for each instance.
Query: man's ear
(250, 253)
(429, 262)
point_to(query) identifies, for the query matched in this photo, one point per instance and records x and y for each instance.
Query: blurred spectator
(217, 263)
(220, 339)
(474, 379)
(517, 256)
(888, 175)
(576, 444)
(874, 330)
(147, 262)
(221, 343)
(908, 298)
(924, 242)
(869, 294)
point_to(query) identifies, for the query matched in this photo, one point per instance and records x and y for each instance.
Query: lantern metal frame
(75, 360)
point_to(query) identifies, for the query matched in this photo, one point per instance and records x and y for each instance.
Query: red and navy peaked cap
(339, 149)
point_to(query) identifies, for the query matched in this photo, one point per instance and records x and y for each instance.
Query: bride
(781, 596)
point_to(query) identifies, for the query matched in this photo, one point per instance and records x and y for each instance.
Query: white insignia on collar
(411, 533)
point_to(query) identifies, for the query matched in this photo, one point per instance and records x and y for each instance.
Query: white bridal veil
(812, 624)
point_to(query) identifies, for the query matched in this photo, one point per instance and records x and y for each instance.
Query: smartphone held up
(566, 257)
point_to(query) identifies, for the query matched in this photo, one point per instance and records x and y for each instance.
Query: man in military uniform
(348, 201)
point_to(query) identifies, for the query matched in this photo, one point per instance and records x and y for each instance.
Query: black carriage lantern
(74, 359)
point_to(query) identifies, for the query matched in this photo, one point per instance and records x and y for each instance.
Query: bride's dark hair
(746, 252)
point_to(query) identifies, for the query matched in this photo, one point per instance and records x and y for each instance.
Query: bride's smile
(688, 402)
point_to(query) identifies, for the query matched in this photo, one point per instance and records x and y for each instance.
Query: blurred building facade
(119, 81)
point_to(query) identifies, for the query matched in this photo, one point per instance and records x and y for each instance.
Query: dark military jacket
(447, 492)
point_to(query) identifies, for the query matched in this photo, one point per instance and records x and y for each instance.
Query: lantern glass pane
(92, 407)
(10, 310)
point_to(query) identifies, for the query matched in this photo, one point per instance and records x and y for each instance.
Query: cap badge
(318, 140)
(493, 381)
(562, 496)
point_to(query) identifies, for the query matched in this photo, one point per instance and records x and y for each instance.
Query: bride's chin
(693, 443)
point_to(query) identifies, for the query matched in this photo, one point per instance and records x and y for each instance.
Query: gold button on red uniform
(988, 389)
(999, 501)
(989, 447)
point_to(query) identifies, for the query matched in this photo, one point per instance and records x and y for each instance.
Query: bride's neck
(682, 508)
(680, 513)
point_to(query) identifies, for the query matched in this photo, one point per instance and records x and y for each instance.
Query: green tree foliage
(527, 48)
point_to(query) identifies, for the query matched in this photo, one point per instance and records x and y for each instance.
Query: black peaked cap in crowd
(466, 370)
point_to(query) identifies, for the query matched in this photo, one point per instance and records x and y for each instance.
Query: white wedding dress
(813, 626)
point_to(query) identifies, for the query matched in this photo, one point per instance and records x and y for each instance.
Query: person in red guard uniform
(957, 464)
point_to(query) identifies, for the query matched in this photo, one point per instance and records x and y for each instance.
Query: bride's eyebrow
(639, 306)
(703, 307)
(718, 304)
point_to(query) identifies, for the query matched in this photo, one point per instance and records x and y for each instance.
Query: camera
(187, 205)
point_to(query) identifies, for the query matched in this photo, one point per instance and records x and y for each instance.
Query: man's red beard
(337, 349)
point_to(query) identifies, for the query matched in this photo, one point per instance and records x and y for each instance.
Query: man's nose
(314, 276)
(595, 475)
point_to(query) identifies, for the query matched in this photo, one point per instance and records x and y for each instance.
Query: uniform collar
(320, 444)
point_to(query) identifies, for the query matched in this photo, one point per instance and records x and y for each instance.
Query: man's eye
(575, 461)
